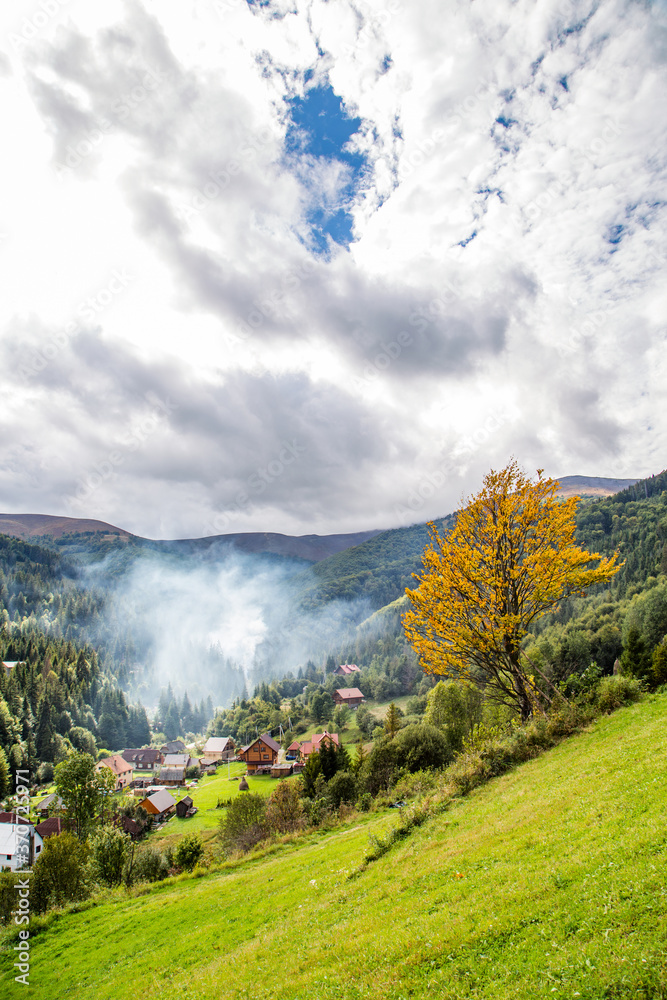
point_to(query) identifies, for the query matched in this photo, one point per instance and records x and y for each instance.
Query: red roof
(49, 827)
(294, 746)
(348, 668)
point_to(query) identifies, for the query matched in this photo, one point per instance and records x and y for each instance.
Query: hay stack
(243, 785)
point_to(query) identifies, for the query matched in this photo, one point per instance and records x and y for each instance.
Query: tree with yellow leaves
(510, 558)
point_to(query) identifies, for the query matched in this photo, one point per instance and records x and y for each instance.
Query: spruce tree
(44, 738)
(5, 777)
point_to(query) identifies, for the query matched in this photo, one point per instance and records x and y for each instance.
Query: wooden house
(52, 803)
(261, 754)
(173, 746)
(219, 748)
(185, 807)
(159, 805)
(352, 697)
(172, 776)
(282, 770)
(144, 758)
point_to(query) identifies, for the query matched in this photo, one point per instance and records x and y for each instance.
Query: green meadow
(546, 882)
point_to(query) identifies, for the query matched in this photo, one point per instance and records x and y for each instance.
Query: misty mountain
(76, 530)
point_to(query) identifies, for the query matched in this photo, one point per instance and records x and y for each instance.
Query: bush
(613, 692)
(243, 823)
(341, 788)
(109, 852)
(150, 865)
(60, 874)
(365, 802)
(45, 773)
(411, 785)
(188, 851)
(285, 812)
(422, 747)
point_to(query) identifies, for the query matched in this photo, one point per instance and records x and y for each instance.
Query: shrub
(659, 665)
(422, 747)
(150, 865)
(45, 773)
(243, 823)
(613, 692)
(109, 852)
(411, 785)
(365, 802)
(341, 788)
(60, 873)
(285, 812)
(188, 851)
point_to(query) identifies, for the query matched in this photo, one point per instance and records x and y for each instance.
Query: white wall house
(18, 848)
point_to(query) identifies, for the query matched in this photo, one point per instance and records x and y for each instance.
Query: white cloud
(169, 120)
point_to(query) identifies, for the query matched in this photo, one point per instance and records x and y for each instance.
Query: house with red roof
(345, 669)
(302, 751)
(119, 767)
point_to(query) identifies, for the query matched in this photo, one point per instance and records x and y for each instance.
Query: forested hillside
(60, 691)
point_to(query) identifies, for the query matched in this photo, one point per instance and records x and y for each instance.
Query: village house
(119, 767)
(20, 844)
(172, 776)
(282, 770)
(302, 751)
(186, 807)
(48, 805)
(260, 755)
(177, 760)
(50, 827)
(159, 805)
(173, 746)
(352, 697)
(144, 758)
(9, 665)
(345, 669)
(219, 748)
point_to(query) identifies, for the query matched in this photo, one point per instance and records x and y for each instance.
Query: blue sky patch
(318, 132)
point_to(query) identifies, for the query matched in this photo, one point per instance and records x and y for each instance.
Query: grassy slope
(548, 882)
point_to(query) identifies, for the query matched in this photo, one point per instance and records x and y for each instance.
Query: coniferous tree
(6, 783)
(44, 737)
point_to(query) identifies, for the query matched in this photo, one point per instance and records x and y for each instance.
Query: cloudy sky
(308, 266)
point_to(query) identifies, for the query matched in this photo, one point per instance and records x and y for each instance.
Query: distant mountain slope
(571, 486)
(312, 548)
(38, 525)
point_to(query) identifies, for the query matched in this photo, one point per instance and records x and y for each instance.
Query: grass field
(546, 882)
(205, 797)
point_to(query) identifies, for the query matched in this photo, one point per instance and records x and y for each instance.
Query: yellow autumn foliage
(510, 558)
